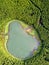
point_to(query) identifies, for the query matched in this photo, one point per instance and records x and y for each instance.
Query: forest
(31, 12)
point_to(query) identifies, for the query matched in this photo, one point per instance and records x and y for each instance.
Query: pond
(20, 44)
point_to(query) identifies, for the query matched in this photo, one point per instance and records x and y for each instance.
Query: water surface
(20, 44)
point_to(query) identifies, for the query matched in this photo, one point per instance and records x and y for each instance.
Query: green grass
(24, 25)
(28, 12)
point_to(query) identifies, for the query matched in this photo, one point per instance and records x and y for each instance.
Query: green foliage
(29, 13)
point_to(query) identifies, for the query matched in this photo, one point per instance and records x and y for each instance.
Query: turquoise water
(20, 44)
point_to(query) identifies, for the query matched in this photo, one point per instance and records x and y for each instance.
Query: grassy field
(34, 13)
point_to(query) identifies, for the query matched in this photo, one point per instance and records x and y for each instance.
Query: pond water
(20, 44)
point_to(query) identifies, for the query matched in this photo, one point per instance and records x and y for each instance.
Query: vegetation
(32, 12)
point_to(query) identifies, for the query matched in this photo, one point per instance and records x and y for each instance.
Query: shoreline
(6, 36)
(6, 40)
